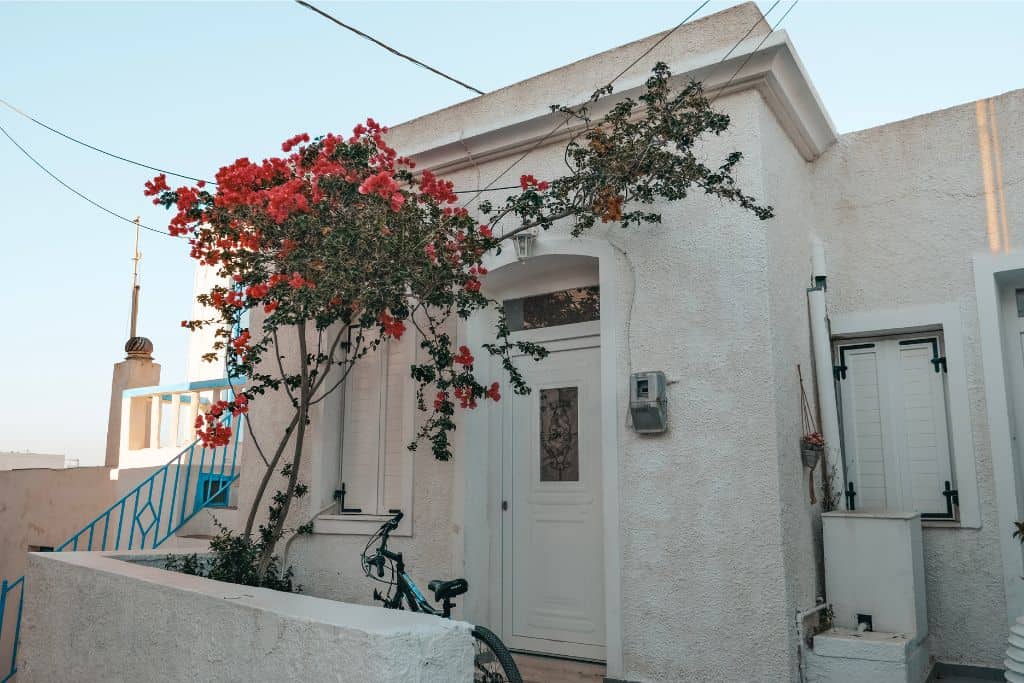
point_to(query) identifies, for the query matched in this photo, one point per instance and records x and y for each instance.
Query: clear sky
(191, 86)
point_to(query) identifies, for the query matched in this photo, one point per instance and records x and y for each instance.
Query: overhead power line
(36, 121)
(540, 142)
(387, 47)
(71, 189)
(756, 48)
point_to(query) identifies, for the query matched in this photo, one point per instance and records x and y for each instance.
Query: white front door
(552, 532)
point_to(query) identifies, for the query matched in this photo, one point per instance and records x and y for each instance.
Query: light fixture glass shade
(524, 244)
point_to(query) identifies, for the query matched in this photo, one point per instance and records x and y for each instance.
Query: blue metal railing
(5, 604)
(164, 501)
(145, 517)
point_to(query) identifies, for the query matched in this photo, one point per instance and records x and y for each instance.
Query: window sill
(941, 524)
(357, 524)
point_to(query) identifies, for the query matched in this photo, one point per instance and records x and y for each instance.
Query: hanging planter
(812, 443)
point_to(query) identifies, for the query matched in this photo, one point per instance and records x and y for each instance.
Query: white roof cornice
(511, 120)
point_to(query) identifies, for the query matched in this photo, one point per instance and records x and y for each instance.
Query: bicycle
(492, 662)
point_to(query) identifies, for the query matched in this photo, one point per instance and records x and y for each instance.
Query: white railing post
(154, 420)
(175, 426)
(193, 413)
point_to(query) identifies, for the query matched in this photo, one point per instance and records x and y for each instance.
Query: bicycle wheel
(492, 662)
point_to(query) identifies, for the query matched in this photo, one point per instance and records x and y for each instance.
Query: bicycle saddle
(448, 589)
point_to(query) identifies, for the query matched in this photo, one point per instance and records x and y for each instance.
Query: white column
(175, 428)
(154, 421)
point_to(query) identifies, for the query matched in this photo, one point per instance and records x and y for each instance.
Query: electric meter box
(648, 402)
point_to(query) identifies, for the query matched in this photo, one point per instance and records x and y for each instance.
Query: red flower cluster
(465, 396)
(440, 399)
(286, 200)
(442, 191)
(392, 327)
(156, 186)
(492, 392)
(472, 285)
(464, 357)
(241, 343)
(257, 291)
(528, 181)
(383, 185)
(211, 430)
(293, 141)
(296, 281)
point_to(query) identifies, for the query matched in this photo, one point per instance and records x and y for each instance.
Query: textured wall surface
(789, 239)
(93, 618)
(904, 207)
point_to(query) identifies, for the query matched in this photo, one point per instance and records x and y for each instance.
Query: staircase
(147, 516)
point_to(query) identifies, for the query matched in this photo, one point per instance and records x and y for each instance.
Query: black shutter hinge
(940, 363)
(952, 498)
(339, 495)
(851, 494)
(839, 372)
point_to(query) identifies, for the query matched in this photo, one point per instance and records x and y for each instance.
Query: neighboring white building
(17, 460)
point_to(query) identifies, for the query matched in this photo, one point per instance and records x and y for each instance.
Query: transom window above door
(564, 307)
(895, 425)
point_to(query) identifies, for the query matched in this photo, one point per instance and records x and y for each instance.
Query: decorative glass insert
(577, 305)
(559, 434)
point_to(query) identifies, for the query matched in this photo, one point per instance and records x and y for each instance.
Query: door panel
(553, 587)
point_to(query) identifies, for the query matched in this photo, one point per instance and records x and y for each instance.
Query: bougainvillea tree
(340, 245)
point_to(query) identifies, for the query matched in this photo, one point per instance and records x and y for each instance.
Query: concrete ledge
(844, 655)
(872, 645)
(91, 617)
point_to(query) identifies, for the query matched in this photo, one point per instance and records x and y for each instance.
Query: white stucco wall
(91, 617)
(789, 239)
(903, 208)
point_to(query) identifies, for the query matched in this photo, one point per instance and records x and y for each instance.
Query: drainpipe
(821, 346)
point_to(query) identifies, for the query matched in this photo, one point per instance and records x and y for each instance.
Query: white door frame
(991, 271)
(479, 505)
(564, 338)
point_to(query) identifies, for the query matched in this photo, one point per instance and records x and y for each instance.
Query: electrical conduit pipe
(821, 346)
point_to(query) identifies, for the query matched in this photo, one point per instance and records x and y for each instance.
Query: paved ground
(537, 669)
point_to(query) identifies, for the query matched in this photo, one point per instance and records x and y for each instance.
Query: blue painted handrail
(5, 603)
(164, 501)
(196, 478)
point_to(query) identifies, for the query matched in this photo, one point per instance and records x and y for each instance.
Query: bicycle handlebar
(382, 550)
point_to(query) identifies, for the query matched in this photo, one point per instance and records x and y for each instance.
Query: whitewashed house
(892, 275)
(685, 555)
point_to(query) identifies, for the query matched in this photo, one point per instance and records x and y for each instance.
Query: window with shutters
(895, 425)
(376, 465)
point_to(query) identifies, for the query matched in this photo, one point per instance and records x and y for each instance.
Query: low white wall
(92, 617)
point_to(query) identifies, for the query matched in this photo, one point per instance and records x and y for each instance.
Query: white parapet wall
(94, 617)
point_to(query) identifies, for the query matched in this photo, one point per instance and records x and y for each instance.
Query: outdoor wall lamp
(524, 242)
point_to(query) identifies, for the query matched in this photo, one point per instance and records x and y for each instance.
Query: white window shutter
(360, 457)
(921, 409)
(397, 466)
(864, 446)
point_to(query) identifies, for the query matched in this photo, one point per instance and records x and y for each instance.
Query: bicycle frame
(405, 588)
